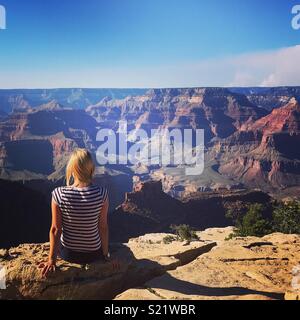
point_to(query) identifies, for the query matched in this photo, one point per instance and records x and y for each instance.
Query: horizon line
(150, 88)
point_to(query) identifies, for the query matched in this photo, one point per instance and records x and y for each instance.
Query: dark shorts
(80, 257)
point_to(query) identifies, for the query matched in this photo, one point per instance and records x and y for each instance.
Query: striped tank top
(80, 209)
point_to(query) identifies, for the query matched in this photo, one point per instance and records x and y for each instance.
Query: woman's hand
(55, 232)
(48, 267)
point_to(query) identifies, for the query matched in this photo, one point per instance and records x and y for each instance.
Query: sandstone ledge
(243, 268)
(141, 260)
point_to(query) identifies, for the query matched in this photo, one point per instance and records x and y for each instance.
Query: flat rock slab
(141, 260)
(243, 268)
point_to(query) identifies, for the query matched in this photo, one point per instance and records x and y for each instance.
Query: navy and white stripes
(80, 208)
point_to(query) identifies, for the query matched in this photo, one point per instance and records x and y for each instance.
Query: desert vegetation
(284, 218)
(182, 233)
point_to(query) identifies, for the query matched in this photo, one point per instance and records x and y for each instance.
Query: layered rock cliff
(247, 145)
(269, 98)
(211, 268)
(149, 209)
(23, 99)
(216, 110)
(264, 153)
(40, 140)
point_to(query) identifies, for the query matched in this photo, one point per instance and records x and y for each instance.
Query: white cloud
(269, 68)
(273, 68)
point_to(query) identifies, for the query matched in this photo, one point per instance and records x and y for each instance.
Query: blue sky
(146, 43)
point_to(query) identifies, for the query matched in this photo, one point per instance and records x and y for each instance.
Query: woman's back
(79, 228)
(80, 208)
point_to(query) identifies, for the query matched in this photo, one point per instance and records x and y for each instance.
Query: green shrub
(231, 236)
(185, 233)
(286, 218)
(169, 239)
(253, 223)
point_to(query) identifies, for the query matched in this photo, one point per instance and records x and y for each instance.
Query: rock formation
(216, 110)
(148, 209)
(39, 141)
(211, 268)
(16, 100)
(269, 98)
(250, 133)
(263, 153)
(240, 269)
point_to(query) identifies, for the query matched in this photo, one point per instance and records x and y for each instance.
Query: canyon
(146, 209)
(251, 154)
(263, 153)
(239, 152)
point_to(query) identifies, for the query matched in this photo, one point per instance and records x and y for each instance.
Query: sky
(148, 43)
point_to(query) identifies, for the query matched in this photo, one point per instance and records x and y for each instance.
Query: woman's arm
(103, 227)
(55, 233)
(103, 230)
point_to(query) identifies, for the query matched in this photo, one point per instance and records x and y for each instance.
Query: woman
(79, 231)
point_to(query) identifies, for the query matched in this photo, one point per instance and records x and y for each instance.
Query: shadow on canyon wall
(25, 207)
(26, 215)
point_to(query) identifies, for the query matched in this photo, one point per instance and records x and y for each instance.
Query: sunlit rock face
(208, 269)
(248, 142)
(218, 111)
(264, 153)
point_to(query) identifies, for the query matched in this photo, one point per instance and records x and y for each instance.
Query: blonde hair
(80, 167)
